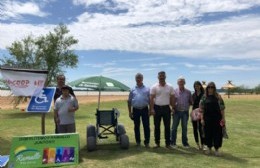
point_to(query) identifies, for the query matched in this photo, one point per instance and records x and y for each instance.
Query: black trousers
(198, 132)
(213, 133)
(144, 115)
(162, 112)
(56, 127)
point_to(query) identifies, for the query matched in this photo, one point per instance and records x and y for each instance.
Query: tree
(50, 52)
(257, 89)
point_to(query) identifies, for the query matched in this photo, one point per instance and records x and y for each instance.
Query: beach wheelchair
(106, 124)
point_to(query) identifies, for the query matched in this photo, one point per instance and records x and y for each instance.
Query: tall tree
(257, 89)
(50, 52)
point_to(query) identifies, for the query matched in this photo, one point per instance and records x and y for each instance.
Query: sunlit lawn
(241, 150)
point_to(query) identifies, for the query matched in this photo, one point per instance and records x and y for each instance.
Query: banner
(44, 151)
(24, 82)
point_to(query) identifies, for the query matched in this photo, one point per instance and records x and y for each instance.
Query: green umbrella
(98, 83)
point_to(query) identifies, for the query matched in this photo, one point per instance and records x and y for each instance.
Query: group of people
(163, 102)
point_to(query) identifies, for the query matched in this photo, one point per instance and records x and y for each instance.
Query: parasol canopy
(228, 85)
(98, 83)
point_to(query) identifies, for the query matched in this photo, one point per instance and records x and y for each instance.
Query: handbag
(224, 129)
(224, 132)
(195, 114)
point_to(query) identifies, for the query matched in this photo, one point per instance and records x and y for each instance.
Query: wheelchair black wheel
(91, 143)
(124, 141)
(121, 129)
(91, 131)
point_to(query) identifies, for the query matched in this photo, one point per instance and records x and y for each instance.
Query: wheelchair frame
(106, 124)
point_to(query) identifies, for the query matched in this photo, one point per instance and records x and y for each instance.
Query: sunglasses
(211, 87)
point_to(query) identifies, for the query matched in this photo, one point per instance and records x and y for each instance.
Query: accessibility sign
(42, 102)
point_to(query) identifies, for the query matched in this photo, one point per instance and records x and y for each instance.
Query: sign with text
(42, 102)
(24, 82)
(44, 150)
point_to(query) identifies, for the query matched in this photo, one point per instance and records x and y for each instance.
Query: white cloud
(155, 64)
(234, 38)
(210, 68)
(189, 65)
(87, 2)
(116, 71)
(13, 32)
(149, 69)
(15, 10)
(155, 26)
(140, 59)
(237, 68)
(107, 64)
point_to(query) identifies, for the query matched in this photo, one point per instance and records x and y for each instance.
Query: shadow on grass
(224, 156)
(230, 157)
(110, 152)
(179, 150)
(113, 150)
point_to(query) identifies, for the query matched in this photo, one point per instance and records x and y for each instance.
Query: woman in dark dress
(198, 131)
(212, 106)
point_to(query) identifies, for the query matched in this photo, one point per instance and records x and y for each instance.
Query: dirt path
(6, 102)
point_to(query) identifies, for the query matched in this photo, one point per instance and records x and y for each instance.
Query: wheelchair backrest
(106, 117)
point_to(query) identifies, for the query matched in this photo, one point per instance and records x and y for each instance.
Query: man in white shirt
(161, 98)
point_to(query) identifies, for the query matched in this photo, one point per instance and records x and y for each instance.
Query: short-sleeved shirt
(139, 96)
(62, 106)
(183, 99)
(162, 94)
(220, 102)
(211, 106)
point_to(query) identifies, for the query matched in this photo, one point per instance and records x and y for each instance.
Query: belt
(182, 110)
(163, 106)
(140, 108)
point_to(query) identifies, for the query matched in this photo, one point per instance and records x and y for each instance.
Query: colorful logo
(58, 155)
(24, 154)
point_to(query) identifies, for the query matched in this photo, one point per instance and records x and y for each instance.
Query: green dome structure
(98, 83)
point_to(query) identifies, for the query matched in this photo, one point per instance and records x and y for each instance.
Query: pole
(43, 123)
(99, 92)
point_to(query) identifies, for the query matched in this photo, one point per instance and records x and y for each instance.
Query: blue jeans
(184, 117)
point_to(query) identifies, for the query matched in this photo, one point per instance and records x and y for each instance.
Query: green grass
(241, 150)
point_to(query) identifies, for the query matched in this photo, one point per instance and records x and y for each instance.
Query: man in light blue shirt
(138, 102)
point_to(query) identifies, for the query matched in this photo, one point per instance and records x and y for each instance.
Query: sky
(205, 40)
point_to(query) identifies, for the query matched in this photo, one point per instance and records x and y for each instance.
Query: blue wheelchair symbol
(42, 98)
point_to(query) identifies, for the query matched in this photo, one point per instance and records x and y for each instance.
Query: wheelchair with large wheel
(106, 124)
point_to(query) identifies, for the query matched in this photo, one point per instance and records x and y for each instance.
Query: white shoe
(204, 148)
(174, 146)
(217, 153)
(208, 151)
